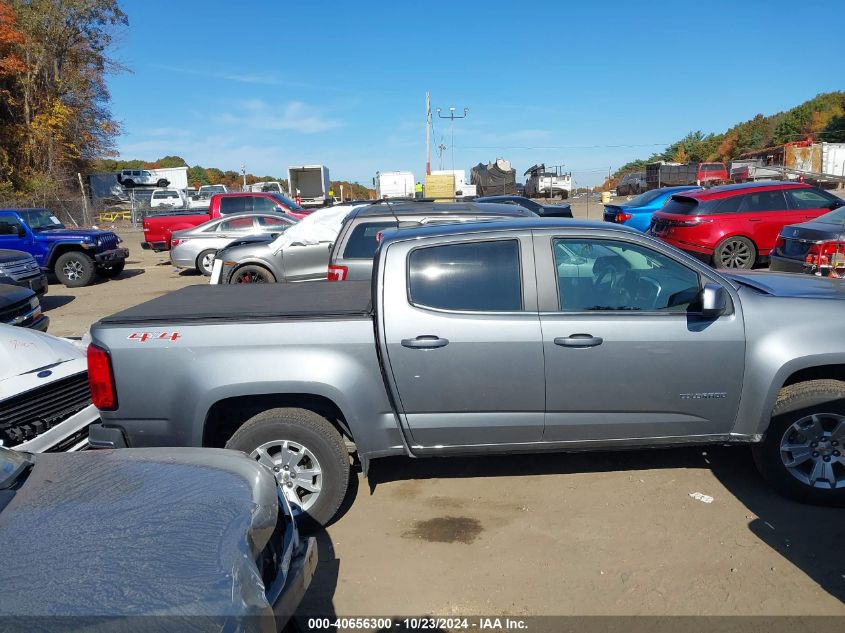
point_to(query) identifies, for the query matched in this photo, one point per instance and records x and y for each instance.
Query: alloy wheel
(811, 450)
(735, 254)
(297, 471)
(73, 269)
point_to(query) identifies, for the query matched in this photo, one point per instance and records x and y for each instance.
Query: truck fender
(783, 374)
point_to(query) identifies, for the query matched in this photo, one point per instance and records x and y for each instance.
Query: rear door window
(236, 204)
(472, 276)
(272, 221)
(364, 239)
(262, 204)
(810, 199)
(235, 225)
(763, 201)
(729, 205)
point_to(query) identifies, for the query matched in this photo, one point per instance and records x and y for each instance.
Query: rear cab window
(364, 239)
(235, 204)
(470, 276)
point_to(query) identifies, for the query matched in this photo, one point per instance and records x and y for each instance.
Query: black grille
(7, 315)
(109, 242)
(29, 414)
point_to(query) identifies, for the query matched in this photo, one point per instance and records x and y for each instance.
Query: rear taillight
(677, 223)
(175, 241)
(779, 244)
(101, 379)
(826, 255)
(337, 273)
(622, 217)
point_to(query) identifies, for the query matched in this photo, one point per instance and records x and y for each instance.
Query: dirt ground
(613, 533)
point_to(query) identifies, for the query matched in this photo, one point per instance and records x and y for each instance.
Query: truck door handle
(579, 340)
(425, 342)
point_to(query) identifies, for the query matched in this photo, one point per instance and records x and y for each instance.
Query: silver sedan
(197, 246)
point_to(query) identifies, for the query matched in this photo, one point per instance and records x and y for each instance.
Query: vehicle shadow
(319, 599)
(51, 302)
(809, 537)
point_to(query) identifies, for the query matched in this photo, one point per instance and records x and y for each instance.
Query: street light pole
(452, 116)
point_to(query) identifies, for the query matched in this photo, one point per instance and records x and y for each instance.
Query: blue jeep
(74, 255)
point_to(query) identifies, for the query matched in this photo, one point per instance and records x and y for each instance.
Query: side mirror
(21, 231)
(714, 300)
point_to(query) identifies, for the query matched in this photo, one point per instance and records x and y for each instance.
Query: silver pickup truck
(506, 336)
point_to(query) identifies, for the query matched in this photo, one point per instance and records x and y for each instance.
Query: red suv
(734, 226)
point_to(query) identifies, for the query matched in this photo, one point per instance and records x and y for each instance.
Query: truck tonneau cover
(252, 302)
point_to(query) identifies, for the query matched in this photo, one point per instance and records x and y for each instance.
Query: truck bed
(252, 302)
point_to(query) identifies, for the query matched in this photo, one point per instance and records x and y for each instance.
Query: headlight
(34, 303)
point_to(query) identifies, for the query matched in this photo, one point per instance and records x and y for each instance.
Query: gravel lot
(609, 533)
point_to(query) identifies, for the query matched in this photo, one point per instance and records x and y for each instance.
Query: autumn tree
(57, 104)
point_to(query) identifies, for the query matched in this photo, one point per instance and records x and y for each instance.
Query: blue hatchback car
(637, 212)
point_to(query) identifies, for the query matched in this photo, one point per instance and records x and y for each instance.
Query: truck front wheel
(802, 454)
(75, 269)
(306, 454)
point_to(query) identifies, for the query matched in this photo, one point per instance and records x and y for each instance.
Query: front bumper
(37, 284)
(75, 425)
(300, 573)
(158, 247)
(114, 256)
(41, 323)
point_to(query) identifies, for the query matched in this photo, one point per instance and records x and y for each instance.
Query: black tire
(111, 271)
(75, 269)
(252, 274)
(735, 252)
(128, 183)
(564, 195)
(205, 270)
(317, 435)
(796, 403)
(161, 184)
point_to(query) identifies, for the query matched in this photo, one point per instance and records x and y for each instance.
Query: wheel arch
(57, 250)
(825, 367)
(227, 415)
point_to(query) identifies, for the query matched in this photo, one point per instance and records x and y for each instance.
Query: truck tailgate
(252, 302)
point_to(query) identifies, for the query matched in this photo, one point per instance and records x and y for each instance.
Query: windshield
(290, 204)
(41, 219)
(644, 198)
(834, 217)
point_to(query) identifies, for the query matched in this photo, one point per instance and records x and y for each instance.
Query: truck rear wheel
(75, 269)
(802, 454)
(306, 454)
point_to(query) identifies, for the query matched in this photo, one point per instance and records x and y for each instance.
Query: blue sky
(272, 83)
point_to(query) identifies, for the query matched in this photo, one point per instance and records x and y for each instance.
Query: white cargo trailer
(394, 184)
(310, 183)
(177, 176)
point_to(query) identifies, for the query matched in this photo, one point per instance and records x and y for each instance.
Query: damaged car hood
(160, 531)
(23, 350)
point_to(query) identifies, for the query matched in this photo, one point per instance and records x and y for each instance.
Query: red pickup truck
(159, 227)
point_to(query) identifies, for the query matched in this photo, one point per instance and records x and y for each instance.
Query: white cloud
(295, 116)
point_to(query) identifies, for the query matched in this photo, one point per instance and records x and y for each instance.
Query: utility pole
(452, 116)
(440, 149)
(243, 173)
(427, 134)
(84, 200)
